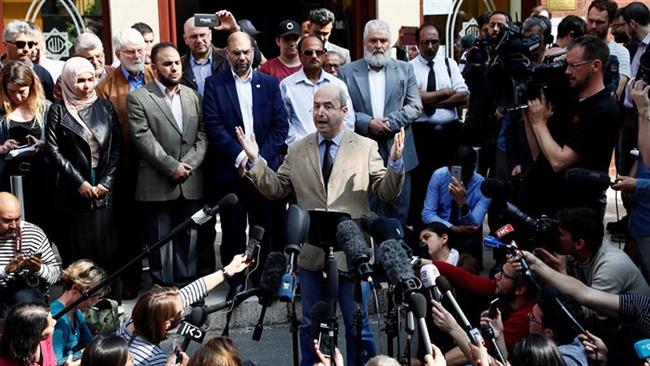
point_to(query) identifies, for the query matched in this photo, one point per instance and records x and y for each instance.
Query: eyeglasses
(531, 318)
(309, 53)
(132, 52)
(22, 44)
(577, 64)
(194, 37)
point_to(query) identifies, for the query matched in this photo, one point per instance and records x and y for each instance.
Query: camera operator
(582, 134)
(27, 262)
(480, 128)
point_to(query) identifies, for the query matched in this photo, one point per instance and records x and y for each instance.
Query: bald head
(198, 39)
(10, 214)
(329, 109)
(240, 53)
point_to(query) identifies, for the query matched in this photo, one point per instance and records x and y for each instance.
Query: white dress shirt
(377, 84)
(298, 97)
(173, 100)
(245, 97)
(456, 82)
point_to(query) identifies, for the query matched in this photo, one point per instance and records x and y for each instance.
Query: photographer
(582, 134)
(26, 258)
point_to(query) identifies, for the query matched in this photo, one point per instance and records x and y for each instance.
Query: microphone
(332, 274)
(445, 288)
(418, 305)
(254, 238)
(296, 229)
(488, 333)
(587, 177)
(274, 268)
(355, 247)
(190, 327)
(642, 349)
(397, 265)
(550, 292)
(428, 275)
(322, 328)
(203, 215)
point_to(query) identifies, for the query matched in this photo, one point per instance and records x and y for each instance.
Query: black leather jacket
(69, 152)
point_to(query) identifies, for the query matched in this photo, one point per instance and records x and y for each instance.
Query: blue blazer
(221, 114)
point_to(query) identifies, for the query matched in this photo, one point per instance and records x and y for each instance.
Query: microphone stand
(391, 321)
(199, 218)
(295, 324)
(409, 328)
(357, 321)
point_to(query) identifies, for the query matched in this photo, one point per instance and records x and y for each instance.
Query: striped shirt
(146, 353)
(33, 240)
(635, 308)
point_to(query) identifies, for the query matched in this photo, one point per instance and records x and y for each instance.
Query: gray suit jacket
(162, 145)
(402, 105)
(357, 169)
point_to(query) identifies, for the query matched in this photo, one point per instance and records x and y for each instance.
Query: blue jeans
(312, 287)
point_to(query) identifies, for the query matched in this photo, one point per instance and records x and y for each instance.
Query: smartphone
(206, 20)
(456, 172)
(324, 344)
(251, 251)
(492, 310)
(177, 352)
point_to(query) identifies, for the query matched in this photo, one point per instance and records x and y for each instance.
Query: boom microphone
(274, 268)
(355, 247)
(418, 305)
(397, 265)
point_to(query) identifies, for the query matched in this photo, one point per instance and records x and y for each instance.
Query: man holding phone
(454, 198)
(26, 257)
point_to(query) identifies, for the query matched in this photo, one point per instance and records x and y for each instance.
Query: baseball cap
(287, 27)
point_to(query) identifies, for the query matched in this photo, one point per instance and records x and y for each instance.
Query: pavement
(275, 347)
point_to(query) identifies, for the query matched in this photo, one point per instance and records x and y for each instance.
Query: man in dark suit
(386, 98)
(166, 129)
(242, 97)
(332, 169)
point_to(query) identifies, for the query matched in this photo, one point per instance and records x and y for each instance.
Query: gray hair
(334, 53)
(14, 28)
(87, 42)
(376, 24)
(343, 98)
(382, 360)
(321, 16)
(124, 36)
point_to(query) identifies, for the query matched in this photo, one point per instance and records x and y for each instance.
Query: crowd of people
(521, 128)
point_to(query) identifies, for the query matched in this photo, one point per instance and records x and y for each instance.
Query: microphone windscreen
(296, 226)
(494, 188)
(428, 275)
(418, 304)
(228, 200)
(257, 233)
(274, 267)
(396, 262)
(443, 284)
(319, 313)
(367, 219)
(197, 316)
(350, 237)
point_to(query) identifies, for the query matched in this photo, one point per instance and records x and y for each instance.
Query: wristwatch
(225, 274)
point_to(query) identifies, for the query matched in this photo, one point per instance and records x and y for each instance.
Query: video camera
(644, 68)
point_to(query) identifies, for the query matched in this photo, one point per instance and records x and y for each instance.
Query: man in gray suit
(165, 126)
(385, 97)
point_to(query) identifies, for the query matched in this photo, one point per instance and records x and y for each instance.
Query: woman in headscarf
(83, 140)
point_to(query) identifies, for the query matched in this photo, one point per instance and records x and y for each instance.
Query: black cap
(287, 27)
(248, 27)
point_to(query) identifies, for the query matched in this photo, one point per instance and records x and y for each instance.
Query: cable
(374, 293)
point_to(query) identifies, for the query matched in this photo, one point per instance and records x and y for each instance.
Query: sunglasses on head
(22, 44)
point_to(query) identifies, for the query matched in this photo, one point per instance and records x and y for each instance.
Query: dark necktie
(327, 162)
(431, 86)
